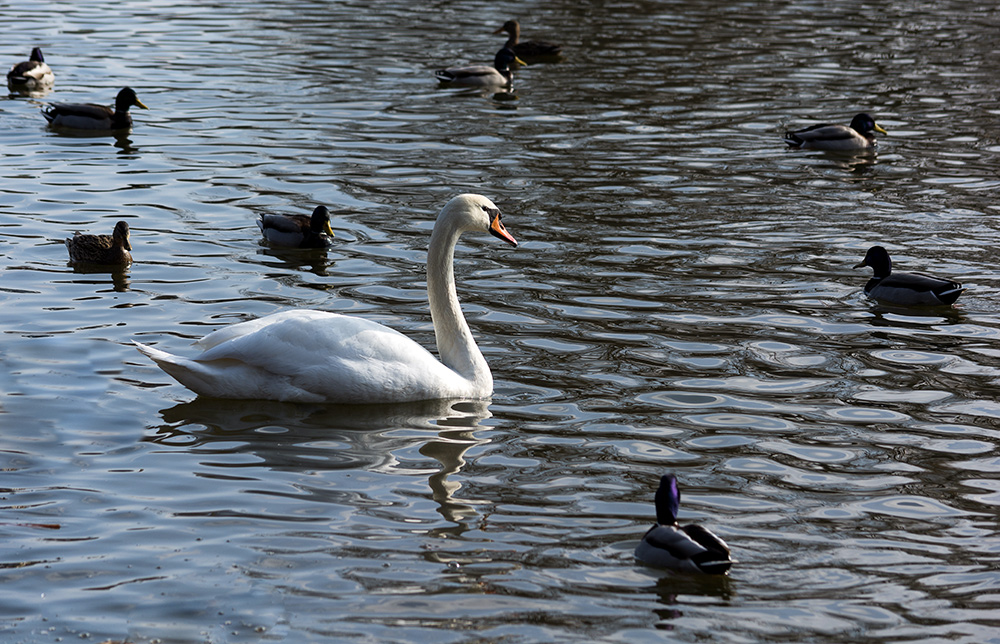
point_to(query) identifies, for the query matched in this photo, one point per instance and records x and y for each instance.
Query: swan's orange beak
(497, 230)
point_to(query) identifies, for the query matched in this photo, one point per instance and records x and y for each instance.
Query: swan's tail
(183, 370)
(226, 378)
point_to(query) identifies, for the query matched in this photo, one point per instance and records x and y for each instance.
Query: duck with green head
(859, 135)
(689, 548)
(499, 75)
(93, 117)
(298, 231)
(906, 289)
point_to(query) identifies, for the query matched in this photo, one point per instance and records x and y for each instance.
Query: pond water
(683, 299)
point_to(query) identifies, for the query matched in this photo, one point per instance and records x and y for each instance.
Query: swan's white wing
(314, 356)
(244, 328)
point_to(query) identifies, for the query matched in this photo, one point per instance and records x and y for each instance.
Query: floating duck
(33, 73)
(906, 289)
(689, 548)
(858, 136)
(316, 356)
(529, 48)
(101, 249)
(298, 231)
(89, 116)
(499, 75)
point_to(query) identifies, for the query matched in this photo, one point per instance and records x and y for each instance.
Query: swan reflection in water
(307, 438)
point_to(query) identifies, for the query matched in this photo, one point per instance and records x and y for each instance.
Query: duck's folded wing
(674, 541)
(465, 73)
(284, 223)
(84, 110)
(824, 133)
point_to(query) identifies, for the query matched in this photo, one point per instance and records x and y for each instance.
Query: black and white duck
(497, 75)
(689, 548)
(859, 135)
(33, 73)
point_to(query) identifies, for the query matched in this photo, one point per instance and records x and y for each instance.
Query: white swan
(315, 356)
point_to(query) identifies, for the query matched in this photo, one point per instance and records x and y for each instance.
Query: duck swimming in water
(298, 231)
(101, 249)
(529, 48)
(90, 116)
(499, 75)
(689, 548)
(33, 73)
(906, 289)
(857, 136)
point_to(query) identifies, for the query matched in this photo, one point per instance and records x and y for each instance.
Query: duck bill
(328, 229)
(861, 264)
(127, 245)
(524, 64)
(140, 104)
(498, 231)
(880, 129)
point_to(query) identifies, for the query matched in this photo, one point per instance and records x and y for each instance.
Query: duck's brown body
(110, 249)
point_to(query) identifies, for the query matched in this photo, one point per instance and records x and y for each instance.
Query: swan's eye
(494, 213)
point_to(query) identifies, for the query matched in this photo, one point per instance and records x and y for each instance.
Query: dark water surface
(682, 300)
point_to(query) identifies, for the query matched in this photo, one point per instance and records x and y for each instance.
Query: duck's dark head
(36, 55)
(878, 259)
(127, 98)
(504, 58)
(668, 500)
(865, 124)
(320, 221)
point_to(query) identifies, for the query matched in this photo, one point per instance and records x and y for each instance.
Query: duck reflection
(303, 437)
(671, 586)
(313, 260)
(119, 275)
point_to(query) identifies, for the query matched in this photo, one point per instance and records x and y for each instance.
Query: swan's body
(529, 48)
(90, 116)
(298, 231)
(33, 73)
(907, 289)
(101, 249)
(689, 548)
(859, 135)
(499, 75)
(315, 356)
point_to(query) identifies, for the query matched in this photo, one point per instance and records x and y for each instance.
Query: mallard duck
(528, 48)
(689, 548)
(32, 73)
(907, 289)
(298, 231)
(101, 249)
(89, 116)
(858, 136)
(316, 356)
(499, 75)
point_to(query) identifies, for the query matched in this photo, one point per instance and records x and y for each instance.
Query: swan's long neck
(456, 346)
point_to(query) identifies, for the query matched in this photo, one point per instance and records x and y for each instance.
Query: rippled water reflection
(682, 300)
